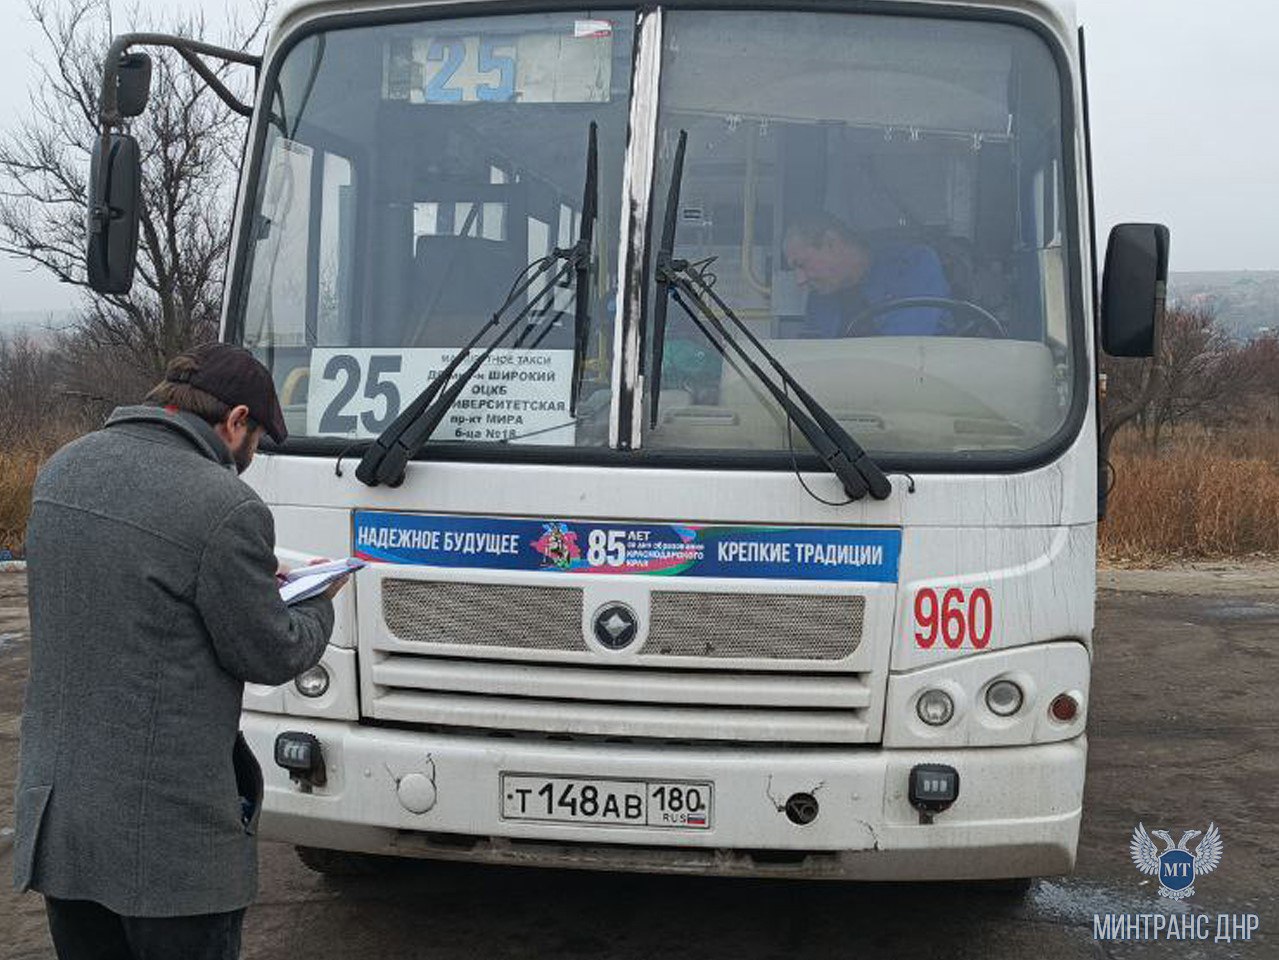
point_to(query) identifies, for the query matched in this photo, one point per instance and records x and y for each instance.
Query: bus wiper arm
(387, 457)
(857, 473)
(585, 240)
(384, 460)
(852, 481)
(672, 275)
(419, 433)
(879, 485)
(665, 251)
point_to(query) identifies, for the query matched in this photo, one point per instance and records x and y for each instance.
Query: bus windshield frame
(626, 442)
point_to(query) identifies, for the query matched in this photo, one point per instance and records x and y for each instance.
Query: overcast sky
(1185, 127)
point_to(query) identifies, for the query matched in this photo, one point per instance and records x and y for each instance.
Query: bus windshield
(882, 201)
(409, 175)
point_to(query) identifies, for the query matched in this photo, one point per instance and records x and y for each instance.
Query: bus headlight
(935, 707)
(999, 698)
(1004, 698)
(313, 682)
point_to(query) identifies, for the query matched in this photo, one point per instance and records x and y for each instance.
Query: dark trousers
(84, 930)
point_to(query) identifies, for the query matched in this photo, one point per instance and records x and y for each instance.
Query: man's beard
(242, 455)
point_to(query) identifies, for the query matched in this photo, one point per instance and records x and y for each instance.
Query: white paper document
(303, 583)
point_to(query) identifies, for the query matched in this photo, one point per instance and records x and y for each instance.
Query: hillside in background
(1245, 302)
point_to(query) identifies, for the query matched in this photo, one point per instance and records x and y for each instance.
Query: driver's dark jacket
(896, 272)
(151, 574)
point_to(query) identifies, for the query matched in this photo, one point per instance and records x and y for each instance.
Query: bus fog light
(935, 707)
(1064, 708)
(300, 754)
(933, 788)
(1004, 698)
(313, 682)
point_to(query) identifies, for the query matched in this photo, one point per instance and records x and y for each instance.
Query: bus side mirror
(1133, 288)
(133, 84)
(115, 197)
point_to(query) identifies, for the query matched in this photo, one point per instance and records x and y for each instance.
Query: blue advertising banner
(866, 555)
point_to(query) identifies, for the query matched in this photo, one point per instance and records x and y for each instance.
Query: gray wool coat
(151, 576)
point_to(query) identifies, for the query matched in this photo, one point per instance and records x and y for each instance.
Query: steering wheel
(978, 317)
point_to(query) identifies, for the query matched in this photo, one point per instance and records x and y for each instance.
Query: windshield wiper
(875, 480)
(585, 240)
(857, 472)
(665, 251)
(855, 484)
(387, 457)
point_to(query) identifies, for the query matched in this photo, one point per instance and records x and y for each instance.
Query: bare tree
(1264, 360)
(189, 139)
(1126, 382)
(1205, 377)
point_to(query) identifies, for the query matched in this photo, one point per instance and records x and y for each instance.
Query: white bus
(712, 389)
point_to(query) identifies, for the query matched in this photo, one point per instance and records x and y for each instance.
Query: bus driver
(845, 277)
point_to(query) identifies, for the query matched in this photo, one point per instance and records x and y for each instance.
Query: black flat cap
(235, 377)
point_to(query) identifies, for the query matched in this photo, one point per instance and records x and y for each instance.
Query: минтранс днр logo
(1176, 867)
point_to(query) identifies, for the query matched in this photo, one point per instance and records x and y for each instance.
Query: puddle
(1075, 902)
(1242, 611)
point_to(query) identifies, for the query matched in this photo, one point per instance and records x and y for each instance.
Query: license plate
(678, 804)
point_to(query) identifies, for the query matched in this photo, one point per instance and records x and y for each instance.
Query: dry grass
(17, 475)
(1201, 498)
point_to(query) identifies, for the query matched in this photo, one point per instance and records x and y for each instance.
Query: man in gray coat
(153, 592)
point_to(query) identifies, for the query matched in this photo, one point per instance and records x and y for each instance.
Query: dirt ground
(1182, 729)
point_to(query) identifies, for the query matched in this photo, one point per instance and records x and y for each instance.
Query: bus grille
(512, 659)
(764, 626)
(768, 626)
(483, 614)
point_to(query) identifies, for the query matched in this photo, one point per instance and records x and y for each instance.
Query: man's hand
(336, 586)
(282, 572)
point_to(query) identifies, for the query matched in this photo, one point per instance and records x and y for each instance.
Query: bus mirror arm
(113, 195)
(126, 77)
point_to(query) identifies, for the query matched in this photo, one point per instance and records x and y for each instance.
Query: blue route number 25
(494, 56)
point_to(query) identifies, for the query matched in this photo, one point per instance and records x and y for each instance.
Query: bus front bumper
(1017, 813)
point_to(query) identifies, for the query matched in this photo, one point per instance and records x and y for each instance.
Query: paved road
(1183, 732)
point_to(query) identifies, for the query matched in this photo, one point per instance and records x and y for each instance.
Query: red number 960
(956, 617)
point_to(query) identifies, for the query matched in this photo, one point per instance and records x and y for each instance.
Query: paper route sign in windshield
(516, 394)
(659, 549)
